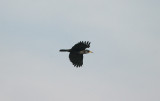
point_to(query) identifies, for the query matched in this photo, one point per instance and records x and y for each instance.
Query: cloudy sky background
(124, 35)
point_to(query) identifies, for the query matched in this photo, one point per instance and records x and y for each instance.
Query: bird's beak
(90, 52)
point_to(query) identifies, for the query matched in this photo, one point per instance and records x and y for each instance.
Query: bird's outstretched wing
(76, 59)
(81, 45)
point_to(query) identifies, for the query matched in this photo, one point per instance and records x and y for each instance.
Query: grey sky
(124, 35)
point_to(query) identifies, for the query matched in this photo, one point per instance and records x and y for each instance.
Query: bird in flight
(77, 51)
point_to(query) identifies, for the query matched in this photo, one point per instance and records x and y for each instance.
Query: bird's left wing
(81, 45)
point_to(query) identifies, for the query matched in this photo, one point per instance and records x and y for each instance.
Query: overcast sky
(124, 36)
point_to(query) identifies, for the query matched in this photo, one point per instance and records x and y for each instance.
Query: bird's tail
(64, 50)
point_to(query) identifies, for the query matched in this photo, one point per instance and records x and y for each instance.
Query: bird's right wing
(81, 45)
(76, 59)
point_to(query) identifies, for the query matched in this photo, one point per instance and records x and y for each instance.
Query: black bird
(77, 51)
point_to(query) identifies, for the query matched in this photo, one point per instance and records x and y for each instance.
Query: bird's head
(88, 51)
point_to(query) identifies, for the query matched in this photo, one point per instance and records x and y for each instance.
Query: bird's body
(77, 51)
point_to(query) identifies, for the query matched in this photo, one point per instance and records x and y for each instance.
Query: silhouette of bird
(77, 51)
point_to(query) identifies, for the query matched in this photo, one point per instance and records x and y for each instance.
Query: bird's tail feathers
(64, 50)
